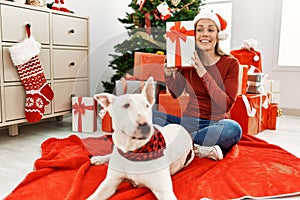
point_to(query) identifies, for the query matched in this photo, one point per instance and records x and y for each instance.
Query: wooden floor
(17, 154)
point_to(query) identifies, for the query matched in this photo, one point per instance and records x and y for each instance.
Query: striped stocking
(24, 56)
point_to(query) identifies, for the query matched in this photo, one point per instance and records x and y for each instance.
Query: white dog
(143, 153)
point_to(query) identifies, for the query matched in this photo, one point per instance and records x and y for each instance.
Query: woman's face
(206, 35)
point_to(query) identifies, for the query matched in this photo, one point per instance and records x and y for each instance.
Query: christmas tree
(146, 27)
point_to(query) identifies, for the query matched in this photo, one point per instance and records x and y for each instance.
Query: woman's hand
(197, 64)
(169, 70)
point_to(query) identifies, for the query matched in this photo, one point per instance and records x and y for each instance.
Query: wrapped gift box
(255, 83)
(255, 77)
(248, 57)
(254, 88)
(272, 116)
(149, 64)
(169, 105)
(269, 117)
(107, 123)
(272, 87)
(248, 111)
(84, 114)
(243, 78)
(124, 86)
(180, 43)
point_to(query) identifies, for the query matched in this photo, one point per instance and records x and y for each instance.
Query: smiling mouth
(204, 41)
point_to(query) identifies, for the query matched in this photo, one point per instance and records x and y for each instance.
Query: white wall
(251, 19)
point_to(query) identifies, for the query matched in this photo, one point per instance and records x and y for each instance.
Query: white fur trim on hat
(207, 15)
(23, 51)
(221, 24)
(223, 35)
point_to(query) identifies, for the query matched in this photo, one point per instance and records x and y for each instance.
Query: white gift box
(124, 86)
(272, 86)
(180, 43)
(84, 114)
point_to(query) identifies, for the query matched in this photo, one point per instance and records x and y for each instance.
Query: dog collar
(153, 149)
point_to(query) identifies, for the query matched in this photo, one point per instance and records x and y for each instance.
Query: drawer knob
(72, 31)
(72, 64)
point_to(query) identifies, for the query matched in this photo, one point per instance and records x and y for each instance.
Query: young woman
(212, 85)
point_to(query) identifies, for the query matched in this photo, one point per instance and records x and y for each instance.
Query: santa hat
(223, 34)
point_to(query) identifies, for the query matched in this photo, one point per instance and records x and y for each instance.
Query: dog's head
(131, 115)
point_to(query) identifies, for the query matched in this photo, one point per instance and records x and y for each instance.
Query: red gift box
(107, 123)
(149, 64)
(243, 78)
(169, 105)
(272, 116)
(248, 111)
(84, 114)
(248, 57)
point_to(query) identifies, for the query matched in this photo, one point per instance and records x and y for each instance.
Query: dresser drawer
(69, 31)
(14, 20)
(70, 63)
(63, 92)
(10, 71)
(14, 103)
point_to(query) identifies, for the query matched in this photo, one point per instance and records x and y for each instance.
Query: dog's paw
(99, 160)
(95, 160)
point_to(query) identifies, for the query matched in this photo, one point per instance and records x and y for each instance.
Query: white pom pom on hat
(223, 33)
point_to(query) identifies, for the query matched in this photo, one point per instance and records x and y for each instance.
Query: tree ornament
(175, 2)
(164, 10)
(141, 3)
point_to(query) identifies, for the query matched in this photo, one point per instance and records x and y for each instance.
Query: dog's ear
(104, 99)
(148, 90)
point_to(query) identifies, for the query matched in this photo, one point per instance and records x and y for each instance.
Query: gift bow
(176, 34)
(80, 108)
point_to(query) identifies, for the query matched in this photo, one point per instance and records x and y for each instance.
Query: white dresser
(64, 56)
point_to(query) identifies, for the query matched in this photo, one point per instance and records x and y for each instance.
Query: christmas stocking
(24, 56)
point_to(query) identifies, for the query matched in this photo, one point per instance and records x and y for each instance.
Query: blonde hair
(219, 51)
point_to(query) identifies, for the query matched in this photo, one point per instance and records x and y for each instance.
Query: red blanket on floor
(253, 168)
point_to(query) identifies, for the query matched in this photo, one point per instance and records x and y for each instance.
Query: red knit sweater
(212, 96)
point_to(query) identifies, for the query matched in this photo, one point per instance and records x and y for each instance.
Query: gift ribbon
(148, 20)
(250, 111)
(148, 23)
(80, 108)
(176, 34)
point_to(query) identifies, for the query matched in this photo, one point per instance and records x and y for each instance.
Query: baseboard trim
(290, 111)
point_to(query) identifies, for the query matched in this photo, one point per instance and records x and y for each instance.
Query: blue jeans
(225, 133)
